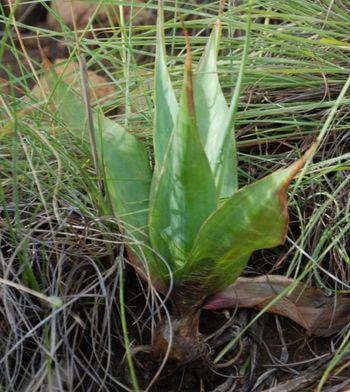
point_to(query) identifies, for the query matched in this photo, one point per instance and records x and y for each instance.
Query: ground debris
(307, 306)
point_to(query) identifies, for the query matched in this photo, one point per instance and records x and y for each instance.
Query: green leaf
(212, 111)
(166, 106)
(185, 192)
(255, 217)
(122, 158)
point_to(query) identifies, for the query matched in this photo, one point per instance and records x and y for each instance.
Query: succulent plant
(193, 230)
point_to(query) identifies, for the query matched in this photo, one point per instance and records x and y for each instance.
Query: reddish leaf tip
(221, 7)
(188, 70)
(282, 194)
(218, 23)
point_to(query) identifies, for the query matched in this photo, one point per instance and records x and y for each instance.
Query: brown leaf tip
(221, 7)
(282, 194)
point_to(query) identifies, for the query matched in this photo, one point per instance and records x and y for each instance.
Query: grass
(57, 236)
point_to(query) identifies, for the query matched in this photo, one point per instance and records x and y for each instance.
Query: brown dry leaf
(307, 306)
(79, 13)
(100, 90)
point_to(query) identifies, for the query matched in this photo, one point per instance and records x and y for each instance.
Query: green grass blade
(166, 106)
(123, 320)
(185, 192)
(256, 217)
(212, 112)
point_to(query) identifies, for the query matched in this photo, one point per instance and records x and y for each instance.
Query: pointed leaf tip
(166, 106)
(212, 112)
(189, 72)
(282, 194)
(221, 7)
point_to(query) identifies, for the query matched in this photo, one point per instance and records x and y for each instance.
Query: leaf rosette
(192, 229)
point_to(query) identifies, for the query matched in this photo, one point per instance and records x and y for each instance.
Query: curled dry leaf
(100, 90)
(77, 13)
(307, 306)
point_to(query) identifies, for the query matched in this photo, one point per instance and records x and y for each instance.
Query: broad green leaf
(255, 217)
(212, 111)
(122, 157)
(166, 106)
(184, 194)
